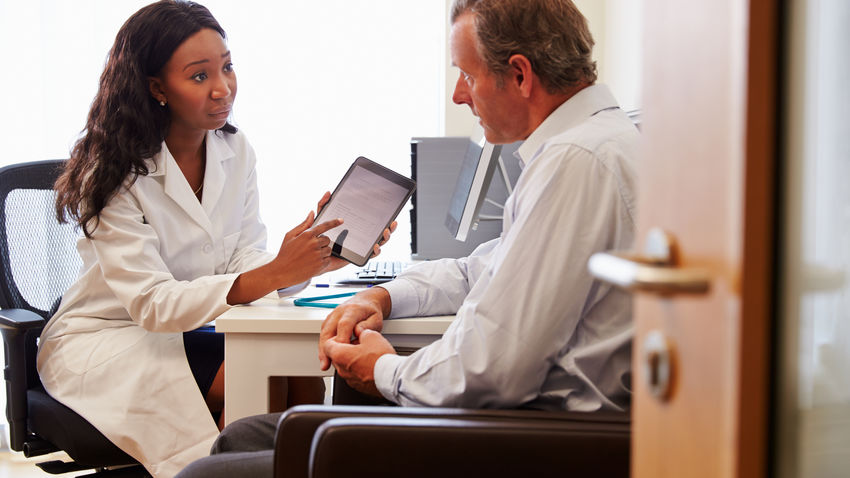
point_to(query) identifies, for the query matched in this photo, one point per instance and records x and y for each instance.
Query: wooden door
(706, 177)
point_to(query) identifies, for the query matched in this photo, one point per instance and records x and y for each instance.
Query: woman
(164, 189)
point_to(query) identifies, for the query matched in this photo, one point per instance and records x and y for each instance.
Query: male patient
(533, 328)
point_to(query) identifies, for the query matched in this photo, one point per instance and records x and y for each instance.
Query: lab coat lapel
(177, 188)
(218, 151)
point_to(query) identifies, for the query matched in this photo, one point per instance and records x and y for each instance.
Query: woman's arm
(304, 253)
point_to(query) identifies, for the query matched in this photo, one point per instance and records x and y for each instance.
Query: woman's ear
(521, 74)
(155, 87)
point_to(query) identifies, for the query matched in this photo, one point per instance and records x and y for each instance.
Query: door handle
(656, 270)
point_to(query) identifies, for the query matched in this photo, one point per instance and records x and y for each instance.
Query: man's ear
(155, 87)
(521, 74)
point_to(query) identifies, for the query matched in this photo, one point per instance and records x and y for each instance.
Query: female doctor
(165, 192)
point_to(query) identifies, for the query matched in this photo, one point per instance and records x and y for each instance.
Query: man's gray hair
(552, 34)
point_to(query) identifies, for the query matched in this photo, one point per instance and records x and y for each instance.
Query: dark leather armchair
(326, 441)
(39, 261)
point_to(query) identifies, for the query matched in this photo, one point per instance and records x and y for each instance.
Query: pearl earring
(161, 102)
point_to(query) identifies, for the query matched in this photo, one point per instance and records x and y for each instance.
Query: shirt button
(207, 248)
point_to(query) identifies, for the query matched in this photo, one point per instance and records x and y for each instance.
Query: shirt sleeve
(520, 316)
(412, 293)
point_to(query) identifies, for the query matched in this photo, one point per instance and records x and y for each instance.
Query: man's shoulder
(596, 133)
(606, 142)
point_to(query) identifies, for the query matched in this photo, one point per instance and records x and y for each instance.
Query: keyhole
(653, 361)
(657, 366)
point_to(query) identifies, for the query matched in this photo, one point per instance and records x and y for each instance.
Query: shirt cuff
(385, 373)
(405, 300)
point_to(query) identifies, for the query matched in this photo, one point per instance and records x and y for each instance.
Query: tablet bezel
(384, 172)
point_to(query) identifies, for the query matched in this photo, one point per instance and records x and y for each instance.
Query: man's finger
(345, 329)
(327, 349)
(366, 334)
(327, 332)
(334, 350)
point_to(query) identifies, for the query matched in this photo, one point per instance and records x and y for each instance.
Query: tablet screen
(368, 199)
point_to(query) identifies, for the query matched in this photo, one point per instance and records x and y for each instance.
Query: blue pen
(323, 285)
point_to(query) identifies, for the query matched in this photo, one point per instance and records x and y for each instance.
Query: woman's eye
(199, 77)
(228, 67)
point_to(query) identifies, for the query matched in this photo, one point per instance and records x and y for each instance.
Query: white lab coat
(160, 263)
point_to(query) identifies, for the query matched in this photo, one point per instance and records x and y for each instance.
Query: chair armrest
(20, 319)
(426, 447)
(298, 426)
(19, 328)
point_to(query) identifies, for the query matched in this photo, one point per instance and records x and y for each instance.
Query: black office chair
(39, 261)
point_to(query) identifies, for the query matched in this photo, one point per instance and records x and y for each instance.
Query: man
(533, 328)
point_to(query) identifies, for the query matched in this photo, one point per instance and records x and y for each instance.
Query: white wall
(310, 74)
(616, 28)
(320, 83)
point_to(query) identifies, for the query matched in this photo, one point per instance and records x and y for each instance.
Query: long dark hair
(126, 125)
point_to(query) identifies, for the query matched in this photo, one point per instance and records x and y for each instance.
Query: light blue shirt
(533, 328)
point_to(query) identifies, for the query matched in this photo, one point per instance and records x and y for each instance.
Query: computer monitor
(479, 163)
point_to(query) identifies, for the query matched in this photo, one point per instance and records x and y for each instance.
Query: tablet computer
(367, 199)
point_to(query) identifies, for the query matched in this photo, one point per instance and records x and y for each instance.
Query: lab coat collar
(177, 188)
(574, 111)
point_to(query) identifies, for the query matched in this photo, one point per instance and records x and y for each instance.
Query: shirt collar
(574, 111)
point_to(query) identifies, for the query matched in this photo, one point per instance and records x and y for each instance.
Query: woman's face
(198, 83)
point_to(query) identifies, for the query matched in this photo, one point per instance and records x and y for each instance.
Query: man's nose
(461, 93)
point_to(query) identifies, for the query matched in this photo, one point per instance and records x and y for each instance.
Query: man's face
(499, 108)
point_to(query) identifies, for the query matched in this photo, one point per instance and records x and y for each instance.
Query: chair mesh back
(38, 254)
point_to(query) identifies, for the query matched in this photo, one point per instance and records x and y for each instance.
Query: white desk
(272, 337)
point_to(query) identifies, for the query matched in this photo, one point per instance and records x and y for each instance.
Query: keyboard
(375, 272)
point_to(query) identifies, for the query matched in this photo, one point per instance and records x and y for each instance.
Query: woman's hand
(386, 237)
(325, 198)
(305, 251)
(337, 263)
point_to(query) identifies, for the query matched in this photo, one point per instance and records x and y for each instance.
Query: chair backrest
(38, 262)
(38, 256)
